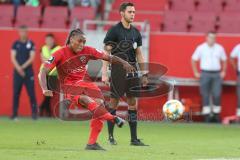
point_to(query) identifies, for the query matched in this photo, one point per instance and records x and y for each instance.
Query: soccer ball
(173, 110)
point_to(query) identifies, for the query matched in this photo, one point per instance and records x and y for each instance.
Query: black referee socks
(111, 124)
(132, 117)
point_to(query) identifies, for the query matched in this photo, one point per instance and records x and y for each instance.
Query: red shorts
(73, 91)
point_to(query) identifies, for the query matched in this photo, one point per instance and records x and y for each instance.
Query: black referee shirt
(124, 41)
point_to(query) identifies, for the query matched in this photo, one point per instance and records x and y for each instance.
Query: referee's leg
(132, 110)
(132, 120)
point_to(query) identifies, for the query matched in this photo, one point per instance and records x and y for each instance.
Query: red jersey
(71, 66)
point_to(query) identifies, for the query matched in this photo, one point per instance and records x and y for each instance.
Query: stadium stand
(82, 13)
(153, 19)
(29, 16)
(203, 21)
(55, 17)
(6, 15)
(173, 23)
(232, 5)
(210, 5)
(144, 5)
(228, 19)
(192, 15)
(182, 5)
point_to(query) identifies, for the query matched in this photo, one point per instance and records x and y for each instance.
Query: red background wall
(173, 51)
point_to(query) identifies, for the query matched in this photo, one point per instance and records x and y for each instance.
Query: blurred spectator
(22, 56)
(44, 3)
(33, 3)
(84, 3)
(16, 4)
(4, 1)
(47, 50)
(235, 61)
(210, 54)
(58, 3)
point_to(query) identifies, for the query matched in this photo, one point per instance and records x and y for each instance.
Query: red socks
(96, 127)
(99, 114)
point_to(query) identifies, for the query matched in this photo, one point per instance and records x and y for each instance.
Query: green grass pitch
(48, 139)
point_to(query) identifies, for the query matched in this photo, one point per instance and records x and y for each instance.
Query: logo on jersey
(50, 60)
(76, 70)
(29, 45)
(83, 59)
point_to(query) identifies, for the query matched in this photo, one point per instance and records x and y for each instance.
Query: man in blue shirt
(22, 56)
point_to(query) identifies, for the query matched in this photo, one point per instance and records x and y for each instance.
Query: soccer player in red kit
(71, 61)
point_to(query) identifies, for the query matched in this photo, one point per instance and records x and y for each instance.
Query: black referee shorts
(121, 84)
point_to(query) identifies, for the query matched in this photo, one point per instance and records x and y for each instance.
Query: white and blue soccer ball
(173, 110)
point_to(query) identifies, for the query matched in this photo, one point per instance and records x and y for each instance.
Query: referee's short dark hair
(124, 5)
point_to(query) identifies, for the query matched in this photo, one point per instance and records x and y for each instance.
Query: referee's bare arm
(140, 59)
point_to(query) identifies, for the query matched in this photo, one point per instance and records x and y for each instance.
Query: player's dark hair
(124, 6)
(74, 33)
(50, 35)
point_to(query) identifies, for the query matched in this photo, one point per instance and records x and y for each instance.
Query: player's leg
(99, 114)
(205, 88)
(238, 95)
(112, 109)
(29, 83)
(117, 87)
(17, 86)
(96, 126)
(216, 95)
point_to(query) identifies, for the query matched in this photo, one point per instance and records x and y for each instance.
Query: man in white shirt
(211, 55)
(235, 61)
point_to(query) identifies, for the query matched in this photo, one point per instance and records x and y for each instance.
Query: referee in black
(125, 41)
(22, 56)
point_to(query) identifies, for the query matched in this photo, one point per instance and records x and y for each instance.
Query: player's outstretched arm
(42, 77)
(116, 60)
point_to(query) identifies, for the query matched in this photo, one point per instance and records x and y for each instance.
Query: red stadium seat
(230, 26)
(82, 13)
(55, 17)
(203, 21)
(175, 21)
(143, 5)
(29, 16)
(6, 15)
(182, 5)
(229, 22)
(232, 5)
(210, 5)
(153, 19)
